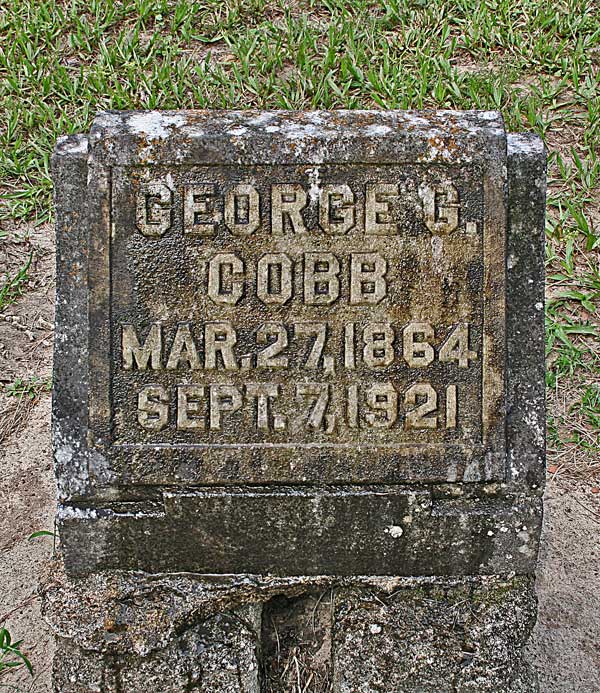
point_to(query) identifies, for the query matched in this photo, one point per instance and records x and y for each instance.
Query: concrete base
(182, 633)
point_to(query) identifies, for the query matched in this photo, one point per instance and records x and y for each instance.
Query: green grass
(537, 61)
(590, 408)
(60, 62)
(11, 656)
(31, 388)
(14, 286)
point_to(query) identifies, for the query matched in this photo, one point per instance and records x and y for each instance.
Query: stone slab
(465, 639)
(525, 298)
(306, 368)
(216, 656)
(384, 531)
(239, 372)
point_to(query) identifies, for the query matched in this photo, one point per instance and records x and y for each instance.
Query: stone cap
(292, 137)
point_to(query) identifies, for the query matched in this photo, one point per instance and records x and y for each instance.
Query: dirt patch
(27, 490)
(26, 324)
(566, 647)
(27, 498)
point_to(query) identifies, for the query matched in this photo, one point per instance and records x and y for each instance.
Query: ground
(63, 60)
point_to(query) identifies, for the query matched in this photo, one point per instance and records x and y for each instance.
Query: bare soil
(565, 647)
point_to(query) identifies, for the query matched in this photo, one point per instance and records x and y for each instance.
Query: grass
(14, 286)
(11, 656)
(19, 398)
(61, 62)
(31, 388)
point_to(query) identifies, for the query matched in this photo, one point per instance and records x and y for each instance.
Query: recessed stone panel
(333, 325)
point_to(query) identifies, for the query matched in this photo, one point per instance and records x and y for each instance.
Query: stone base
(435, 638)
(125, 632)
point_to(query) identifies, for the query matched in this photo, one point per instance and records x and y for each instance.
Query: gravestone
(299, 402)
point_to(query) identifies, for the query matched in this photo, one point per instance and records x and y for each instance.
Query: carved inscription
(239, 208)
(378, 402)
(291, 306)
(229, 278)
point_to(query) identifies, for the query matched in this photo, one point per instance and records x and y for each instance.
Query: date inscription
(310, 346)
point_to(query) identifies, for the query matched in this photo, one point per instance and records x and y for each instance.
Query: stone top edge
(211, 137)
(158, 125)
(72, 145)
(525, 143)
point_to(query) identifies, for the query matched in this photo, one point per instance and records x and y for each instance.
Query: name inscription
(241, 210)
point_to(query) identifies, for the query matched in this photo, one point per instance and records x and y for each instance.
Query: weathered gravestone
(299, 404)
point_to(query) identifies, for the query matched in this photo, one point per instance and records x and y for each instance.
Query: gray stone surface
(298, 418)
(458, 639)
(265, 634)
(216, 656)
(381, 531)
(196, 385)
(525, 256)
(133, 632)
